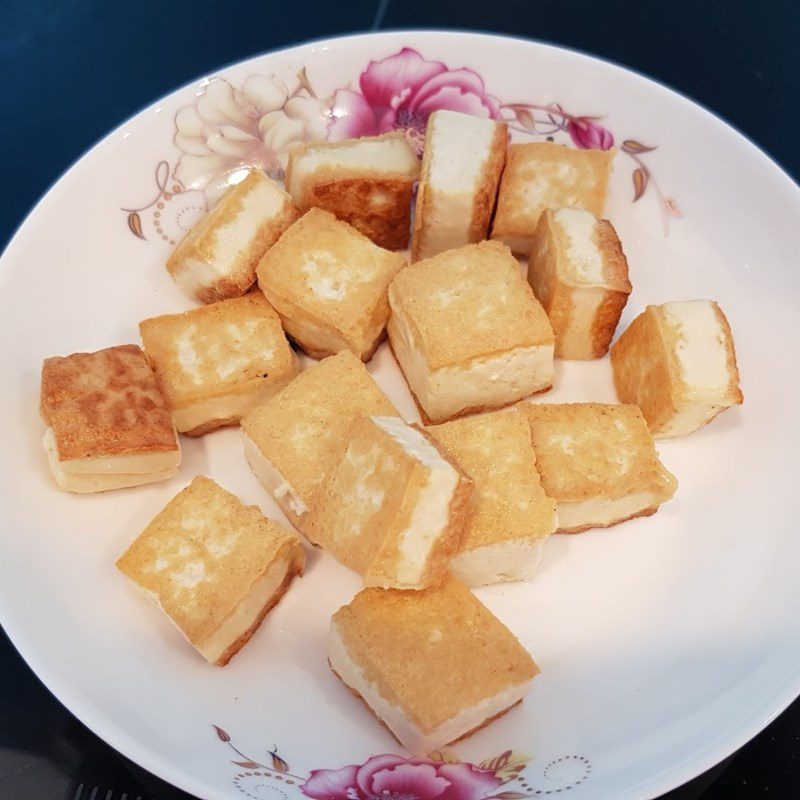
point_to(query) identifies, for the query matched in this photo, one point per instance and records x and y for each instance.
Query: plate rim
(149, 759)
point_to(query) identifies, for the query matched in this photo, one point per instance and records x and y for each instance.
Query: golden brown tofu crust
(641, 367)
(586, 451)
(367, 537)
(462, 653)
(375, 201)
(468, 303)
(353, 271)
(103, 404)
(351, 199)
(231, 546)
(508, 502)
(246, 329)
(518, 214)
(322, 401)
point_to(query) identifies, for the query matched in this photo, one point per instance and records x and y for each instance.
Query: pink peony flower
(589, 135)
(390, 777)
(400, 92)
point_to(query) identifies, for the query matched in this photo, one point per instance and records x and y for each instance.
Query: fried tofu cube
(461, 168)
(215, 566)
(598, 462)
(677, 362)
(328, 283)
(294, 438)
(468, 332)
(219, 361)
(580, 275)
(509, 515)
(108, 422)
(434, 666)
(392, 508)
(544, 175)
(217, 259)
(366, 182)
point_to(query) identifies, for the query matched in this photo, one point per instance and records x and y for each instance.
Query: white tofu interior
(244, 616)
(460, 146)
(700, 348)
(585, 258)
(431, 515)
(86, 475)
(261, 204)
(702, 359)
(690, 419)
(135, 463)
(418, 741)
(513, 560)
(601, 512)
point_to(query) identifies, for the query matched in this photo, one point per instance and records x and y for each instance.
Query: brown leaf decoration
(508, 796)
(135, 224)
(246, 764)
(221, 733)
(671, 207)
(512, 768)
(525, 118)
(445, 756)
(639, 183)
(278, 764)
(632, 146)
(497, 762)
(509, 773)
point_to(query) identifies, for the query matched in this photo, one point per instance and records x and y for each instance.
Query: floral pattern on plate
(228, 130)
(440, 776)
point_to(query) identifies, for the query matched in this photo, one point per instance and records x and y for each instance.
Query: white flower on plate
(228, 130)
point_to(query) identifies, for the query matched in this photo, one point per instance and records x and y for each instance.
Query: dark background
(72, 71)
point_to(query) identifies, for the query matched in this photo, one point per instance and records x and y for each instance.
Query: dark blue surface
(72, 71)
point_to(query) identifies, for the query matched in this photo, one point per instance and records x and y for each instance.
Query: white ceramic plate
(665, 643)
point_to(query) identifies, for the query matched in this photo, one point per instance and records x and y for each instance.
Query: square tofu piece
(433, 666)
(509, 514)
(468, 332)
(215, 566)
(464, 157)
(544, 175)
(108, 422)
(677, 363)
(293, 439)
(580, 275)
(328, 283)
(598, 462)
(366, 182)
(392, 508)
(219, 361)
(217, 259)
